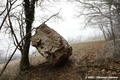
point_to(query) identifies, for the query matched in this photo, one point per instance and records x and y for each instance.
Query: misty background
(69, 25)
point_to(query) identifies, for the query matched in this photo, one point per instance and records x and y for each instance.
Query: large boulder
(51, 45)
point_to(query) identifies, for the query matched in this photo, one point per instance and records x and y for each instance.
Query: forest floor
(88, 59)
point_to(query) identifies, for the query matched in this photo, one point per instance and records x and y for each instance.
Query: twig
(14, 52)
(20, 43)
(52, 16)
(8, 11)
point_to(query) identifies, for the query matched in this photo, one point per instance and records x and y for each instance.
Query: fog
(70, 27)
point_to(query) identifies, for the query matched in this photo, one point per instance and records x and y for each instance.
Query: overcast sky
(69, 27)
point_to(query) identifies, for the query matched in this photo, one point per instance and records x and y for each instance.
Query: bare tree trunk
(103, 31)
(29, 14)
(111, 26)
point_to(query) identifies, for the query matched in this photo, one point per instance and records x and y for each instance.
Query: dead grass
(87, 49)
(11, 71)
(36, 59)
(88, 59)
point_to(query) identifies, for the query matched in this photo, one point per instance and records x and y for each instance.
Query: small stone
(103, 70)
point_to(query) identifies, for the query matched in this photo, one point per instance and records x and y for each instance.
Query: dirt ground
(88, 59)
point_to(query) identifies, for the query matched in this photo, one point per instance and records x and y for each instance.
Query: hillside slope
(87, 60)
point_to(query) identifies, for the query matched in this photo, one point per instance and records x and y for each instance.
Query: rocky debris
(51, 45)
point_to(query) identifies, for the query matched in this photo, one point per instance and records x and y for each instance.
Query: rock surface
(51, 45)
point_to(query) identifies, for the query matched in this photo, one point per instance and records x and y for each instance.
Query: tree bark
(29, 18)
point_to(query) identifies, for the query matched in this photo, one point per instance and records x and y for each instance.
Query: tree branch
(5, 8)
(93, 7)
(14, 52)
(52, 16)
(8, 11)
